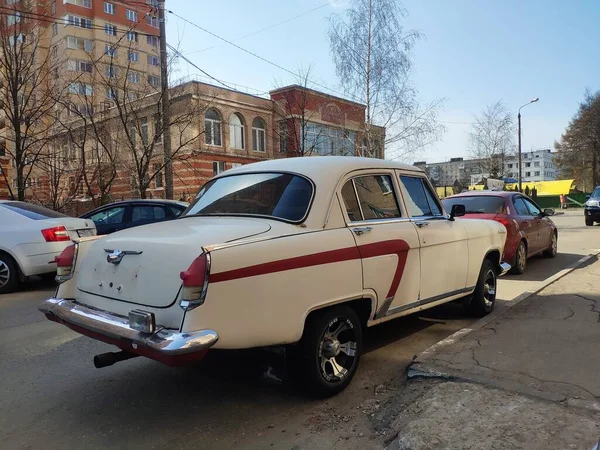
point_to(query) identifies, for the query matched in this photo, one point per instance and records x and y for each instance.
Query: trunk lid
(154, 255)
(75, 227)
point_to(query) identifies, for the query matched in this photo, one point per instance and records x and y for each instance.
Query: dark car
(591, 209)
(132, 213)
(529, 230)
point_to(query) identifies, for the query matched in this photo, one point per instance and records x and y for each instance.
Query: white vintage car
(300, 252)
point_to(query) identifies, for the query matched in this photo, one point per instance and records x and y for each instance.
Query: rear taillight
(65, 263)
(508, 223)
(56, 234)
(195, 282)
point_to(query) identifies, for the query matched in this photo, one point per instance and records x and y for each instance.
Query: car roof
(158, 201)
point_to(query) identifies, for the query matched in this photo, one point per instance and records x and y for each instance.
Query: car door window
(420, 201)
(376, 198)
(176, 211)
(533, 209)
(111, 216)
(521, 207)
(145, 213)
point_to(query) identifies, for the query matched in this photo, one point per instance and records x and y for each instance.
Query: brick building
(214, 129)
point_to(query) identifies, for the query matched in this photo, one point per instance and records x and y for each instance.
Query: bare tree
(579, 146)
(372, 55)
(491, 139)
(29, 81)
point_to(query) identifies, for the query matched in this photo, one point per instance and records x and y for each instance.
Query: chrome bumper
(504, 267)
(116, 327)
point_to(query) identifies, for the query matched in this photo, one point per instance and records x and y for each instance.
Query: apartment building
(538, 165)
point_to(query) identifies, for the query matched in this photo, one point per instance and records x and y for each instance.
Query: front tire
(484, 298)
(520, 259)
(589, 222)
(551, 251)
(327, 357)
(9, 276)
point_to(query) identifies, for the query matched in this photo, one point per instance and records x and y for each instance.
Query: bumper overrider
(167, 346)
(504, 268)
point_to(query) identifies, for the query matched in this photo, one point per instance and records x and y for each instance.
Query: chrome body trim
(359, 231)
(165, 341)
(437, 298)
(384, 308)
(504, 268)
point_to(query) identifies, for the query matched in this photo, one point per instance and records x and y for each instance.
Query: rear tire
(484, 298)
(520, 259)
(326, 358)
(551, 251)
(589, 222)
(9, 275)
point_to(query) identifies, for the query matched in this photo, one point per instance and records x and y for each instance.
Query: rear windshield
(477, 204)
(279, 195)
(31, 211)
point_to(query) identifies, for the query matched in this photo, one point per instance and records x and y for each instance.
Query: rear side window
(521, 207)
(147, 213)
(376, 198)
(110, 216)
(477, 204)
(31, 211)
(420, 201)
(176, 210)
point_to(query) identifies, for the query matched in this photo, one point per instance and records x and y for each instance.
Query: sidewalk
(528, 379)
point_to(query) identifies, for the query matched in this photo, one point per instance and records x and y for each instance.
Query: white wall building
(538, 165)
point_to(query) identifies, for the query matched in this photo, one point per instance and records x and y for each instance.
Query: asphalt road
(51, 396)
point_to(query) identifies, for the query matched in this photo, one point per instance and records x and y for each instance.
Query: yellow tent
(444, 191)
(547, 187)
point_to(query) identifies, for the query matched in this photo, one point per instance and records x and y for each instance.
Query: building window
(153, 60)
(158, 178)
(152, 40)
(527, 164)
(109, 8)
(81, 88)
(79, 66)
(55, 51)
(53, 8)
(77, 21)
(79, 43)
(111, 71)
(537, 174)
(324, 140)
(154, 80)
(13, 18)
(133, 77)
(152, 20)
(258, 135)
(212, 127)
(134, 57)
(157, 128)
(536, 164)
(110, 50)
(218, 167)
(111, 94)
(54, 29)
(82, 3)
(283, 136)
(234, 165)
(110, 29)
(144, 130)
(132, 15)
(236, 131)
(510, 166)
(132, 36)
(527, 174)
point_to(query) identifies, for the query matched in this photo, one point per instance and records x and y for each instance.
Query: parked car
(31, 236)
(530, 230)
(300, 252)
(591, 210)
(132, 213)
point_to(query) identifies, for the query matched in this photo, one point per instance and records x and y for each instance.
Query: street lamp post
(520, 162)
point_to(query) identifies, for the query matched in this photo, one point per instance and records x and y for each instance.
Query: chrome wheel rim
(337, 350)
(4, 274)
(522, 257)
(489, 288)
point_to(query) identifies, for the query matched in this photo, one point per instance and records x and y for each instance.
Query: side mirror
(548, 212)
(457, 211)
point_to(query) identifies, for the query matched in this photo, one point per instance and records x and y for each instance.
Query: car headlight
(593, 203)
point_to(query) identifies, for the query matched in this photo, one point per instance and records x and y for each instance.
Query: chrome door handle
(422, 224)
(361, 230)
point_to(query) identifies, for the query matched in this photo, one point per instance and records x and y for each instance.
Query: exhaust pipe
(108, 359)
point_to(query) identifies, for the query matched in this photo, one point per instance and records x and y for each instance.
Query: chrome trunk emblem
(115, 256)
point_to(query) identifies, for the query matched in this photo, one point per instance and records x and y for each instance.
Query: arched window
(258, 135)
(236, 131)
(212, 127)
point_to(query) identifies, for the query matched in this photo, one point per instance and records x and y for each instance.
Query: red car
(530, 231)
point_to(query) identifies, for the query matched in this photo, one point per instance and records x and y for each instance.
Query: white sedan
(31, 237)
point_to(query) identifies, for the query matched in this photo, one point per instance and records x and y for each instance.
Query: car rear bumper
(167, 346)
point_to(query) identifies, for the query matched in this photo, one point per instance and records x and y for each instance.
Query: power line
(258, 56)
(268, 27)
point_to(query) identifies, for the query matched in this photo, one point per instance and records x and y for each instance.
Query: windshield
(279, 195)
(477, 204)
(596, 193)
(32, 211)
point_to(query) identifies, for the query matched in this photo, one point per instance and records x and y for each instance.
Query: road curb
(416, 370)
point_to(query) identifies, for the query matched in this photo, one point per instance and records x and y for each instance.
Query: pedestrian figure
(534, 194)
(563, 201)
(527, 191)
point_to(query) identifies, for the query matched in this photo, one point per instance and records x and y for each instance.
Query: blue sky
(475, 52)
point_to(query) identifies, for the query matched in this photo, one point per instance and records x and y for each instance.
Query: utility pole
(520, 159)
(165, 102)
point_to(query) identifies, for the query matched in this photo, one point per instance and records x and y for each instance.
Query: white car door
(443, 243)
(387, 241)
